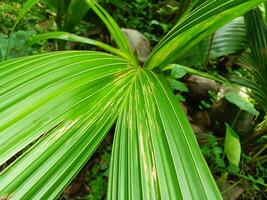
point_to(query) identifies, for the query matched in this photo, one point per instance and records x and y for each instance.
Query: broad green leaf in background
(18, 44)
(178, 72)
(255, 61)
(177, 85)
(241, 102)
(232, 146)
(3, 45)
(229, 39)
(75, 12)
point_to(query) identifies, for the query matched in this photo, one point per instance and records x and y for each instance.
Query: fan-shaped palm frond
(256, 60)
(56, 108)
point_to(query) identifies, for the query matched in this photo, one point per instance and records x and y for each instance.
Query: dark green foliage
(153, 18)
(37, 19)
(18, 44)
(97, 176)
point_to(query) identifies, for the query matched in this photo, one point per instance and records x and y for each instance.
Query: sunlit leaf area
(133, 99)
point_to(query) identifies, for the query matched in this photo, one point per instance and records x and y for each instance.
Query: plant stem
(255, 134)
(265, 6)
(236, 118)
(250, 179)
(232, 186)
(261, 158)
(258, 153)
(9, 42)
(209, 50)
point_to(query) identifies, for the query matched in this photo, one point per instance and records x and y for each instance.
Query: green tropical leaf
(114, 30)
(232, 146)
(62, 104)
(74, 38)
(26, 7)
(51, 3)
(56, 108)
(229, 39)
(72, 16)
(241, 102)
(155, 153)
(33, 87)
(257, 31)
(178, 72)
(177, 85)
(255, 61)
(196, 26)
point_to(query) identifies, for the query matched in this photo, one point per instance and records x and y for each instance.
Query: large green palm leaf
(155, 149)
(256, 60)
(229, 39)
(56, 108)
(196, 26)
(68, 113)
(66, 117)
(39, 92)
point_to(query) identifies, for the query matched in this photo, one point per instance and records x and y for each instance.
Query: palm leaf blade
(195, 27)
(32, 91)
(114, 29)
(74, 38)
(255, 61)
(81, 95)
(155, 154)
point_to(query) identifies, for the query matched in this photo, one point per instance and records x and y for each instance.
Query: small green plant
(18, 44)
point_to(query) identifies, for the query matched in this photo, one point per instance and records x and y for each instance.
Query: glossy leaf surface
(62, 104)
(74, 38)
(256, 60)
(196, 26)
(229, 39)
(241, 103)
(76, 11)
(40, 92)
(155, 153)
(232, 146)
(114, 30)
